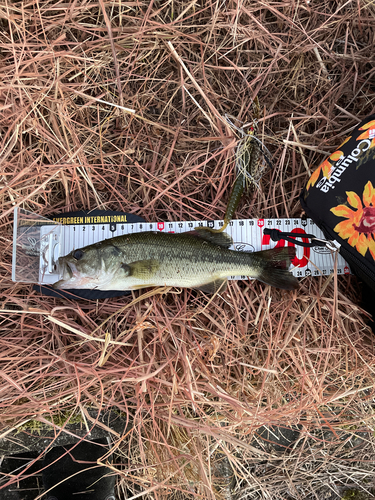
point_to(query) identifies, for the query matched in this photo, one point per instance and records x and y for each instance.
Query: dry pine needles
(119, 105)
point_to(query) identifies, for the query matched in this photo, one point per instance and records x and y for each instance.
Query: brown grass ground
(197, 378)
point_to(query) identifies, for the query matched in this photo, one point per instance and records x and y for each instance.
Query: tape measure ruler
(38, 242)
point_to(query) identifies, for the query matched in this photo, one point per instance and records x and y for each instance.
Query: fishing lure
(249, 169)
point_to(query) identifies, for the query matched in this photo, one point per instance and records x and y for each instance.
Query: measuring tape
(39, 243)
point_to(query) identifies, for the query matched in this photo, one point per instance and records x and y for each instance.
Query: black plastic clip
(277, 235)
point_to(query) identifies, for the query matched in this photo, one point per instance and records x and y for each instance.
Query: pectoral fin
(141, 269)
(214, 286)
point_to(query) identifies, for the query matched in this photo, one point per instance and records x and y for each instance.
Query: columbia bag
(340, 198)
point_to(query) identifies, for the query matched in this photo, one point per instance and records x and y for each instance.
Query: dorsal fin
(207, 234)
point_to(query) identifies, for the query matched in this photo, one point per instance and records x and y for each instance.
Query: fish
(198, 259)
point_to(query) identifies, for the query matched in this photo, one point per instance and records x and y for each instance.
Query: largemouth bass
(199, 259)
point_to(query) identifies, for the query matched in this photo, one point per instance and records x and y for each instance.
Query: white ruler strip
(247, 236)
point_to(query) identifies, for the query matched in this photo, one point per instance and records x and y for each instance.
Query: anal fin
(217, 285)
(146, 285)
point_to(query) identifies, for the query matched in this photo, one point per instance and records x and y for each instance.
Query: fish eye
(77, 254)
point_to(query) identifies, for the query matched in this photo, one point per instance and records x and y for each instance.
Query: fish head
(92, 267)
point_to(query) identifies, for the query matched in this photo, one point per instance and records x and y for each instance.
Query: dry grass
(197, 377)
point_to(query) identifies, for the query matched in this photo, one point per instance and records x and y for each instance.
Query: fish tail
(274, 265)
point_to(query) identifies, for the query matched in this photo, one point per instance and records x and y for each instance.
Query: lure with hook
(248, 171)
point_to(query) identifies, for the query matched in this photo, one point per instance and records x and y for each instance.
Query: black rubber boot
(75, 475)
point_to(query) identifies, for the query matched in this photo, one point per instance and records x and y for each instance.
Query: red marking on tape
(306, 250)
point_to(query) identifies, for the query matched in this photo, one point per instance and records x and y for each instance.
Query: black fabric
(77, 471)
(27, 488)
(75, 294)
(340, 198)
(368, 303)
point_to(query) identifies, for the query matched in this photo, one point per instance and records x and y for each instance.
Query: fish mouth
(68, 272)
(67, 269)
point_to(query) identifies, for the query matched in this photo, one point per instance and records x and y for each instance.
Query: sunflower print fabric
(359, 224)
(340, 196)
(325, 168)
(369, 134)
